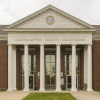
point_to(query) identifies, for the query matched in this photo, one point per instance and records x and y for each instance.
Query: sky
(13, 10)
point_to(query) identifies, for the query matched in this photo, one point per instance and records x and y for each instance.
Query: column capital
(42, 44)
(58, 44)
(73, 44)
(26, 44)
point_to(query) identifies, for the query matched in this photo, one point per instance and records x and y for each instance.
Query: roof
(98, 29)
(50, 7)
(1, 31)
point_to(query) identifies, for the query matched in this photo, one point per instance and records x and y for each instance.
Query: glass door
(31, 82)
(69, 82)
(68, 68)
(50, 69)
(32, 69)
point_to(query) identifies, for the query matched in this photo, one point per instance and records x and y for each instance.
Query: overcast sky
(13, 10)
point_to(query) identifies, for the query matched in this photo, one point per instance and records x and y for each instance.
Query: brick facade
(96, 65)
(37, 67)
(18, 78)
(3, 65)
(63, 64)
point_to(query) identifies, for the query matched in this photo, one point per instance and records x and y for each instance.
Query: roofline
(52, 8)
(50, 29)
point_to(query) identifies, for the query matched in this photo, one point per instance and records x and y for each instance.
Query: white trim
(50, 29)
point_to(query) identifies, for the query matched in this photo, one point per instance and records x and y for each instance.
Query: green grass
(2, 90)
(49, 96)
(97, 90)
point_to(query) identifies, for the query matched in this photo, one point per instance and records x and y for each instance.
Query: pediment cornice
(50, 7)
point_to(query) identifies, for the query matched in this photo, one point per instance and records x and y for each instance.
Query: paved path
(16, 95)
(83, 95)
(79, 95)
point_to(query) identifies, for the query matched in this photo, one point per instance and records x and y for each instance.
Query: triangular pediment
(39, 20)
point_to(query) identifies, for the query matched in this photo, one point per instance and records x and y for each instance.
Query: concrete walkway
(79, 95)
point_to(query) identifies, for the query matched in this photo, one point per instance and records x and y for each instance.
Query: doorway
(69, 82)
(50, 69)
(31, 82)
(31, 66)
(68, 68)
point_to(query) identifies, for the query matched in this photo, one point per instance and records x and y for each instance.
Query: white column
(73, 68)
(14, 68)
(89, 74)
(42, 68)
(26, 69)
(58, 69)
(10, 69)
(85, 64)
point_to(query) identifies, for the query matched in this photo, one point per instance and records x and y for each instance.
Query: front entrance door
(50, 69)
(68, 68)
(69, 82)
(31, 82)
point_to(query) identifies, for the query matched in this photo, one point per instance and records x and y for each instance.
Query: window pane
(69, 66)
(47, 67)
(76, 68)
(69, 79)
(65, 58)
(34, 67)
(47, 58)
(47, 79)
(22, 58)
(76, 58)
(52, 66)
(29, 58)
(34, 58)
(53, 78)
(70, 58)
(52, 58)
(23, 68)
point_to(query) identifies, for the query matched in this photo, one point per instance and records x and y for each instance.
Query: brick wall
(37, 67)
(18, 68)
(3, 65)
(63, 64)
(96, 65)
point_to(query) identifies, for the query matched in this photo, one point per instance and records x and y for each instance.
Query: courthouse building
(50, 50)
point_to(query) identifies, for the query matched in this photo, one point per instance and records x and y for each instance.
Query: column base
(73, 89)
(10, 90)
(89, 90)
(14, 89)
(58, 90)
(41, 89)
(26, 90)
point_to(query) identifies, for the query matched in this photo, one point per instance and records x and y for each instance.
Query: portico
(61, 30)
(12, 80)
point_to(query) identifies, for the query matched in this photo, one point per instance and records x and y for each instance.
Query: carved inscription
(28, 39)
(73, 39)
(50, 39)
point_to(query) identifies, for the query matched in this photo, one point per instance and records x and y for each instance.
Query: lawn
(97, 90)
(2, 90)
(49, 96)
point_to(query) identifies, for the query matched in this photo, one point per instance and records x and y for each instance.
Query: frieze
(50, 39)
